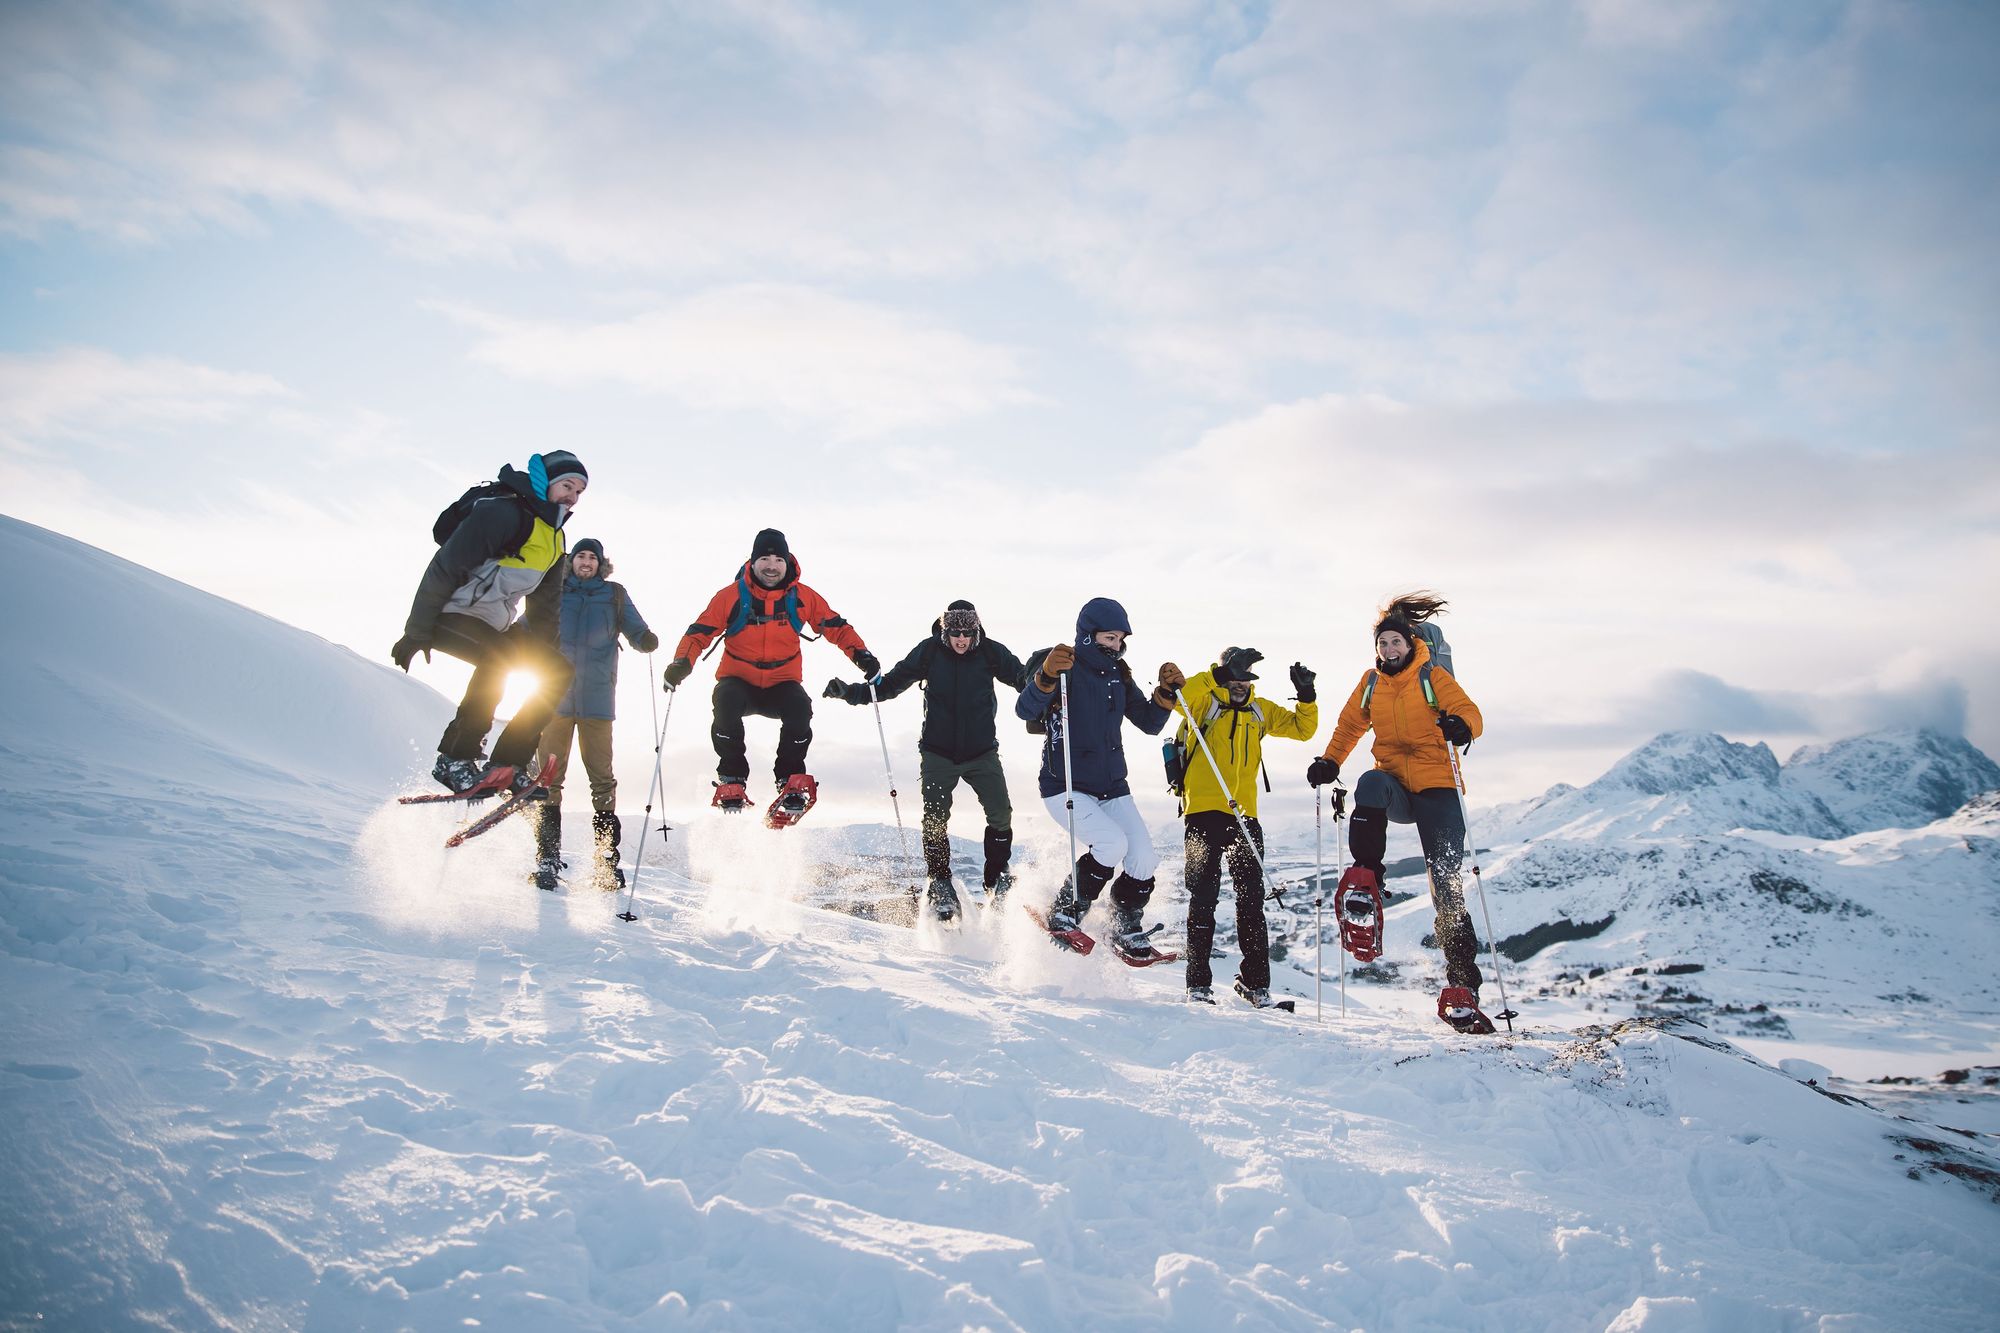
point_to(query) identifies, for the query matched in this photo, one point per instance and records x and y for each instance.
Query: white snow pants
(1115, 830)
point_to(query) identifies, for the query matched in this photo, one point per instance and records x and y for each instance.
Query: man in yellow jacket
(1234, 723)
(1416, 710)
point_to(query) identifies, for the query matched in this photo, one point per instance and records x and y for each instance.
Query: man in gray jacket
(497, 547)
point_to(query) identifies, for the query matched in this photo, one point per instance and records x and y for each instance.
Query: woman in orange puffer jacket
(1417, 711)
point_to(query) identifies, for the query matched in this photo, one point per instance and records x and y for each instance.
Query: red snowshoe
(523, 790)
(1135, 948)
(1357, 901)
(1072, 939)
(1459, 1006)
(731, 797)
(798, 796)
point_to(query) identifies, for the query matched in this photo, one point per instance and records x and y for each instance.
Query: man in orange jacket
(1416, 710)
(761, 618)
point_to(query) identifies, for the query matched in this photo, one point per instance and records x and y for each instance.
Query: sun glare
(520, 684)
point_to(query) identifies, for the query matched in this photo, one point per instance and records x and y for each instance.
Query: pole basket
(1357, 903)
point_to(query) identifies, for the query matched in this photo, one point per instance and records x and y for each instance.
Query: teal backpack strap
(1368, 691)
(740, 617)
(1430, 691)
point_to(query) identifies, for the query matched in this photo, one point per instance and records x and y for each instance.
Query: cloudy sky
(1659, 337)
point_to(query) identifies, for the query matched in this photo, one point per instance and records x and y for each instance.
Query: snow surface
(272, 1058)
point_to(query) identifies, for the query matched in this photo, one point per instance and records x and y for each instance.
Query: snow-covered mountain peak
(1682, 761)
(1904, 777)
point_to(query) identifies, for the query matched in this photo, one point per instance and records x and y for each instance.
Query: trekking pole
(1228, 795)
(1339, 804)
(902, 835)
(653, 700)
(646, 825)
(1465, 816)
(1069, 785)
(1319, 888)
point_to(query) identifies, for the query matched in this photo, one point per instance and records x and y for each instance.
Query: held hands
(1172, 678)
(1302, 683)
(407, 648)
(678, 670)
(1455, 730)
(870, 665)
(1322, 771)
(1060, 659)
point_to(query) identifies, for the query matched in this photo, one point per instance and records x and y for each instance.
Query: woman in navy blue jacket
(1103, 695)
(595, 611)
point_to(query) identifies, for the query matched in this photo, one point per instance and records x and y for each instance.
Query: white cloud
(1601, 199)
(802, 355)
(85, 393)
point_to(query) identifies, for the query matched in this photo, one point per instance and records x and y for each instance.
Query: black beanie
(770, 542)
(561, 463)
(961, 605)
(590, 544)
(1395, 621)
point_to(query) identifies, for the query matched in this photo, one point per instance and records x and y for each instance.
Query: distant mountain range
(1700, 876)
(1693, 782)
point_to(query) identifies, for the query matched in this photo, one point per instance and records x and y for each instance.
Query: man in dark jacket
(500, 553)
(595, 611)
(956, 666)
(1102, 696)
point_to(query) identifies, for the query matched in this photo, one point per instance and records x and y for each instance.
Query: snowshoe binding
(523, 788)
(731, 796)
(1358, 904)
(797, 797)
(1459, 1006)
(942, 899)
(458, 775)
(1135, 947)
(1259, 997)
(1061, 922)
(1201, 995)
(548, 874)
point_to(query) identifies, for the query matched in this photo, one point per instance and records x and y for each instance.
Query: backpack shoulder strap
(1367, 690)
(1430, 690)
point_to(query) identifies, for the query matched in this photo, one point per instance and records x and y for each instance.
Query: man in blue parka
(595, 611)
(1103, 695)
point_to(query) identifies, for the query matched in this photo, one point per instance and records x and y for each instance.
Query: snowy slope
(112, 668)
(1679, 782)
(1693, 879)
(273, 1059)
(1891, 779)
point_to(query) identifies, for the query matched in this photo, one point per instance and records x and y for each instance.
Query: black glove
(835, 689)
(648, 642)
(1302, 683)
(871, 665)
(1454, 729)
(407, 648)
(1236, 665)
(1322, 771)
(678, 670)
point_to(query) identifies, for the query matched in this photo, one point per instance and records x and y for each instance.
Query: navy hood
(1100, 614)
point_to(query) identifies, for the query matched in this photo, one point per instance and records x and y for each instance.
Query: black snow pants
(1380, 800)
(1212, 839)
(786, 701)
(494, 654)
